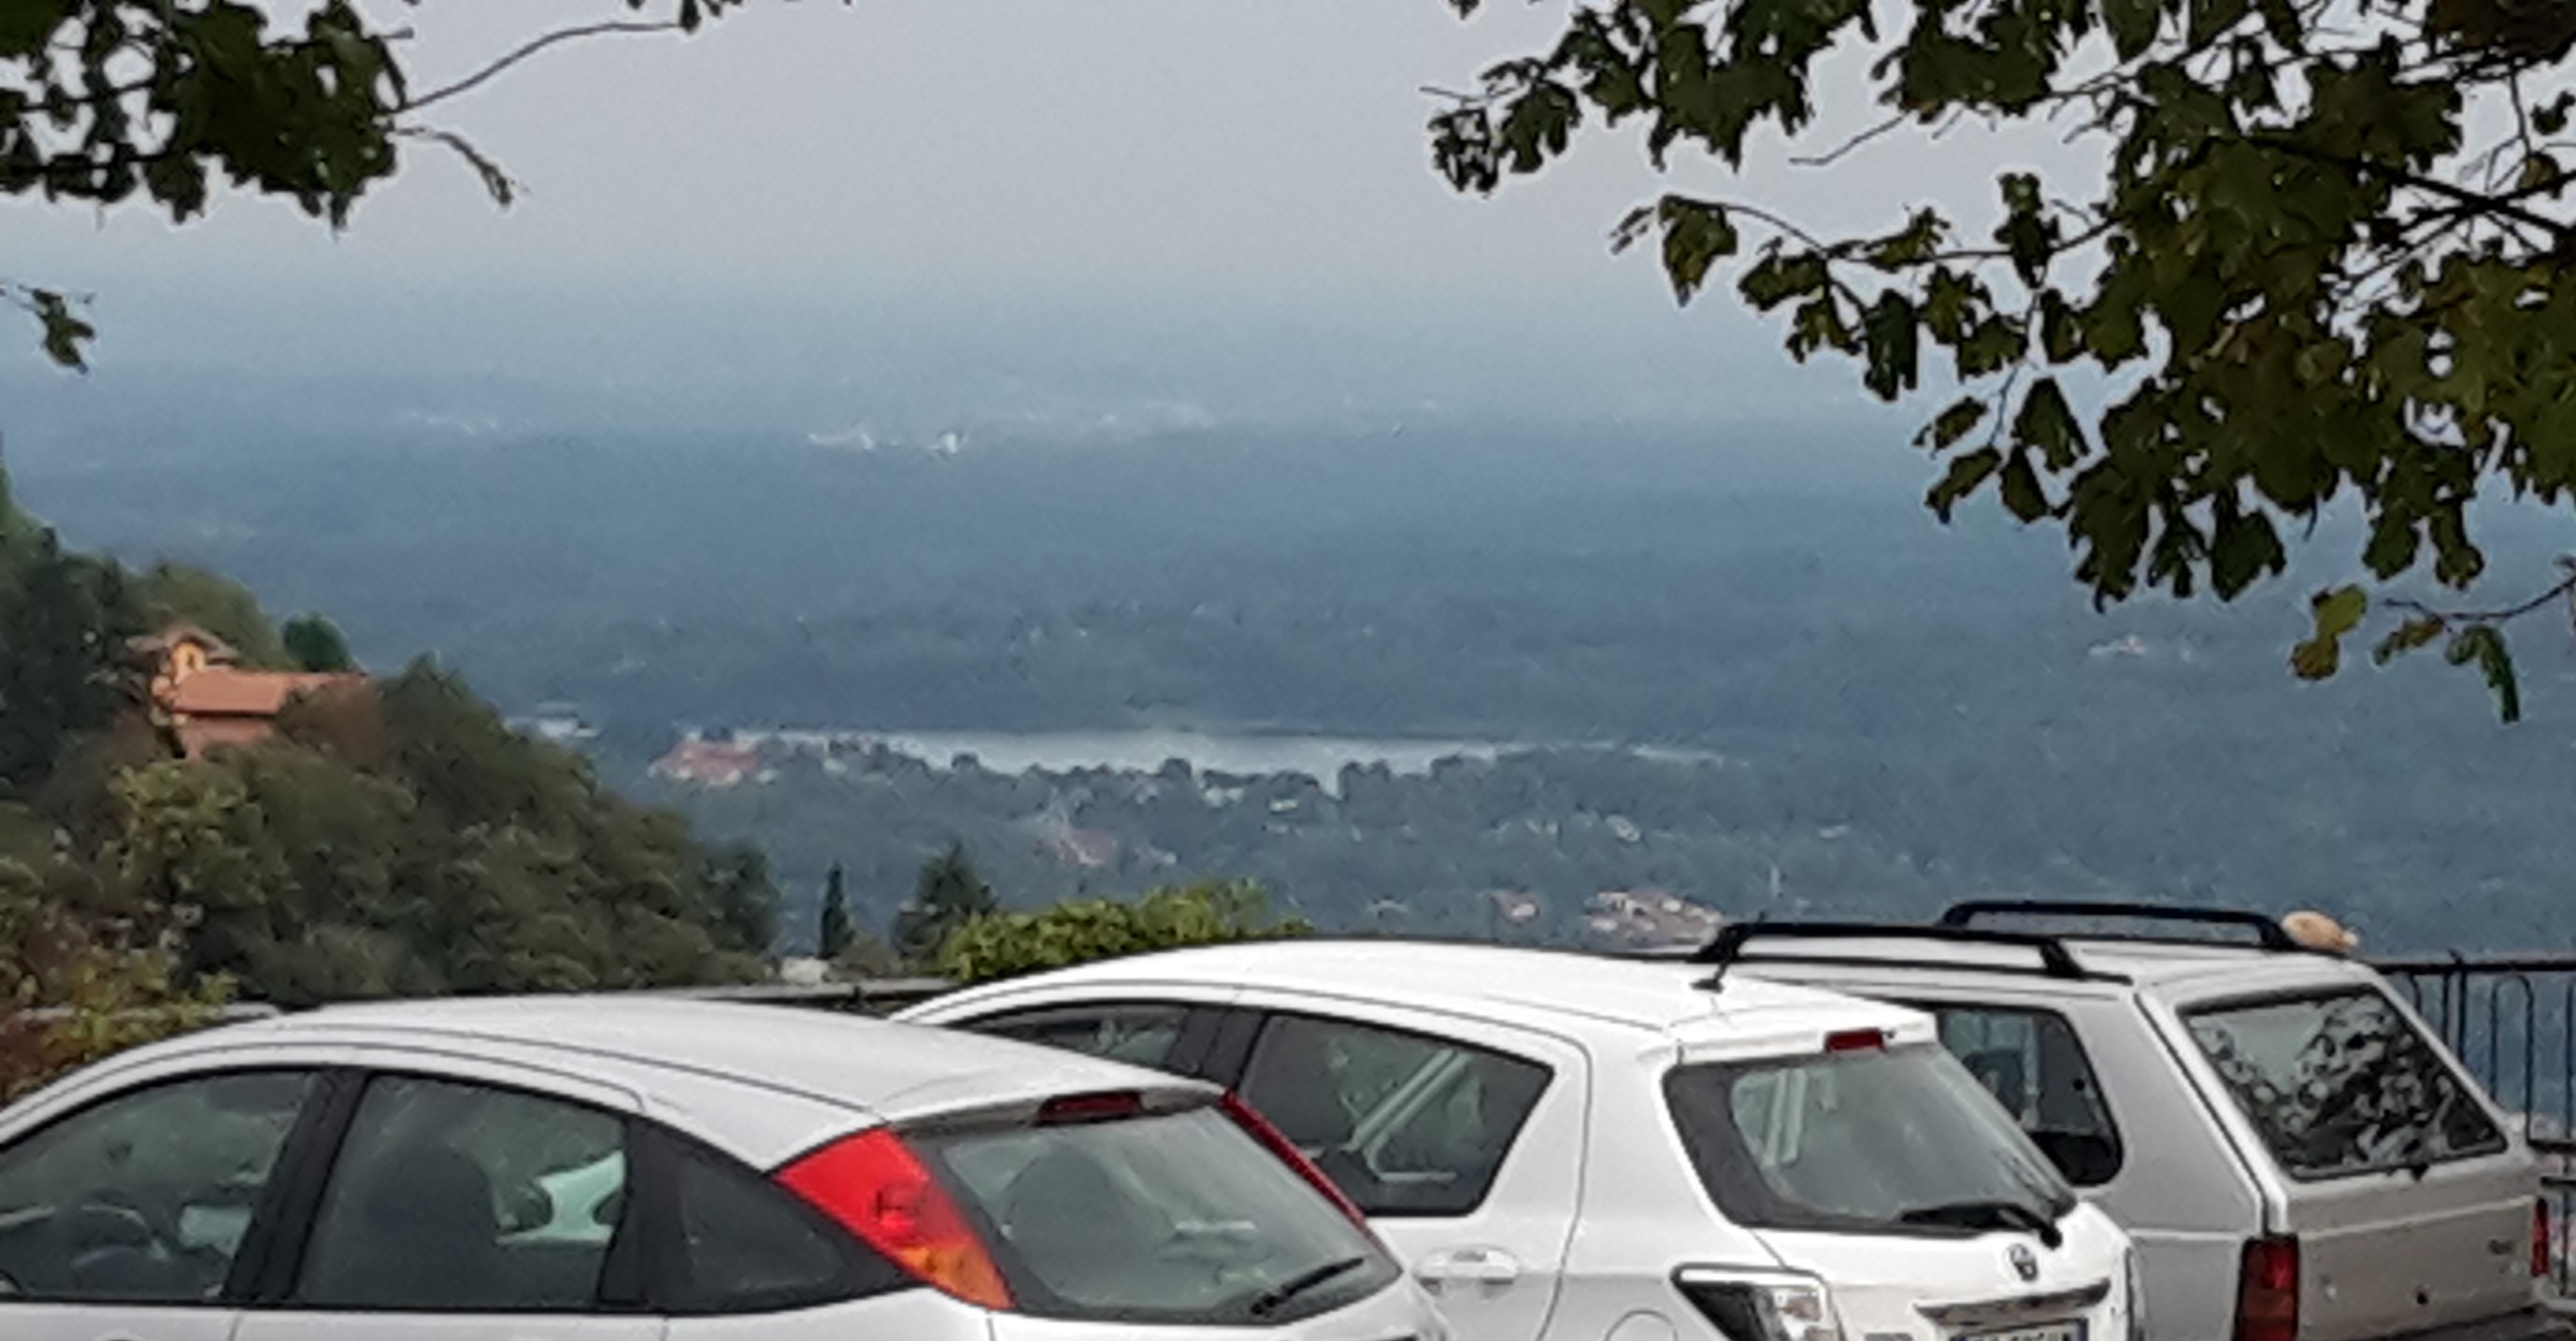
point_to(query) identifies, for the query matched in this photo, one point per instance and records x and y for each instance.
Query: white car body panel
(1613, 1186)
(759, 1083)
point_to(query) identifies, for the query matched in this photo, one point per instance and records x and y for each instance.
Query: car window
(1404, 1123)
(458, 1197)
(1177, 1217)
(1140, 1034)
(746, 1246)
(2342, 1083)
(1870, 1141)
(144, 1198)
(2035, 1066)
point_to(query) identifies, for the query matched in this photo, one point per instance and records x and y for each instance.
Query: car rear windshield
(1167, 1218)
(1900, 1140)
(2342, 1083)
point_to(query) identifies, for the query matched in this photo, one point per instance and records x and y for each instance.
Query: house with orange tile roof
(207, 700)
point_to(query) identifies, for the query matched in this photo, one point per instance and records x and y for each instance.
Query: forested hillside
(397, 838)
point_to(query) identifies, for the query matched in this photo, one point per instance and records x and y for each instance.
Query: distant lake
(1319, 757)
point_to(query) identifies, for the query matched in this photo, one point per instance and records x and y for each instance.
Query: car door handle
(1464, 1266)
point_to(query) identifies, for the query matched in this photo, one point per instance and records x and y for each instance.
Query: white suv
(622, 1170)
(1563, 1146)
(2297, 1155)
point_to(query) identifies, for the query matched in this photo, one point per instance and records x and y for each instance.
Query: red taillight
(873, 1186)
(1091, 1107)
(1856, 1040)
(1278, 1144)
(2267, 1291)
(2540, 1239)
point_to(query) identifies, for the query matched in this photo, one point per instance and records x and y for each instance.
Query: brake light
(2267, 1291)
(1277, 1143)
(872, 1186)
(1091, 1107)
(1856, 1040)
(2540, 1238)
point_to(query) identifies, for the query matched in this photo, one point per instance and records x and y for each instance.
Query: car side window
(747, 1247)
(144, 1198)
(1404, 1123)
(2035, 1066)
(459, 1197)
(1140, 1034)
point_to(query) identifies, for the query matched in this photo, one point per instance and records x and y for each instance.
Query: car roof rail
(1727, 948)
(2269, 934)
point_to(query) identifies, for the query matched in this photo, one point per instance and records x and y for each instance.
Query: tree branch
(2565, 588)
(531, 48)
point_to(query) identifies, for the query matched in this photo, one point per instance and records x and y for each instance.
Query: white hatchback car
(727, 1172)
(1563, 1146)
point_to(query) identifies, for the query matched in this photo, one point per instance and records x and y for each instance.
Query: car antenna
(1715, 983)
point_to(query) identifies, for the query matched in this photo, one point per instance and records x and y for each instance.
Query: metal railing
(2513, 1022)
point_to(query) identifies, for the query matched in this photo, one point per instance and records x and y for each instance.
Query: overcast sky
(1265, 160)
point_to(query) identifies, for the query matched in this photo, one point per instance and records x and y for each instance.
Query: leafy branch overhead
(106, 101)
(2324, 252)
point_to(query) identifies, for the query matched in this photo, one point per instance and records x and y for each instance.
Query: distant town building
(1650, 919)
(698, 762)
(205, 698)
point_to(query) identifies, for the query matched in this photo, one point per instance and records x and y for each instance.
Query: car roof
(1546, 989)
(2170, 969)
(894, 1071)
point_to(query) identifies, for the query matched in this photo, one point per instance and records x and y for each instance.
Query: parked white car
(2298, 1157)
(624, 1170)
(1569, 1147)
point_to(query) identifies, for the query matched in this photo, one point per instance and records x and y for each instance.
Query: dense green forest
(395, 840)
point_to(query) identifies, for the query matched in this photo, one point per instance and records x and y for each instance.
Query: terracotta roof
(220, 691)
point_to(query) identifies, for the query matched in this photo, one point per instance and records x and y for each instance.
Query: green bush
(1077, 931)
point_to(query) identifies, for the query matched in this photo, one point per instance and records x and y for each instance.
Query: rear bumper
(2537, 1323)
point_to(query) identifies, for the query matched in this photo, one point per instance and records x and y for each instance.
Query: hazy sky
(1264, 160)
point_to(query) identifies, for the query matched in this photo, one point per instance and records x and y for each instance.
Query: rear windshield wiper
(1277, 1296)
(1997, 1214)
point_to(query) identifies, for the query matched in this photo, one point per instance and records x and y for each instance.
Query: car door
(464, 1208)
(1461, 1139)
(128, 1218)
(1175, 1036)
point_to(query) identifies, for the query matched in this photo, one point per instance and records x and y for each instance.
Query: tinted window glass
(2031, 1061)
(1143, 1035)
(2341, 1084)
(1172, 1218)
(1860, 1142)
(450, 1196)
(146, 1197)
(748, 1247)
(1404, 1123)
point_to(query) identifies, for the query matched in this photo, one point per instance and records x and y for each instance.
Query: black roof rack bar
(2268, 933)
(1728, 946)
(1756, 963)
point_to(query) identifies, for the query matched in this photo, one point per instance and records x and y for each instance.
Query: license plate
(2046, 1331)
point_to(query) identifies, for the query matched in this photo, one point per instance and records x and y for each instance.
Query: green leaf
(2047, 423)
(1539, 125)
(1966, 473)
(2483, 644)
(2243, 547)
(1894, 362)
(2211, 18)
(2019, 489)
(25, 24)
(64, 333)
(2132, 24)
(2414, 633)
(2336, 612)
(2551, 117)
(1952, 424)
(1696, 237)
